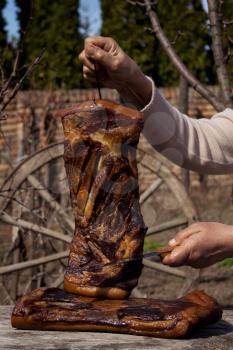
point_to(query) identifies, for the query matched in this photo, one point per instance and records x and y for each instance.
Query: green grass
(226, 262)
(151, 245)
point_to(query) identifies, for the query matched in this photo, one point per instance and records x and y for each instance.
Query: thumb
(100, 56)
(177, 257)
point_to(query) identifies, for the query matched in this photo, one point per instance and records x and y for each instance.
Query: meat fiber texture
(54, 309)
(100, 140)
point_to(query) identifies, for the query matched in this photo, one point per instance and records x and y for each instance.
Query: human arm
(201, 244)
(205, 146)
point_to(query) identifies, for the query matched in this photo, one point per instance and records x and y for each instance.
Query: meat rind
(100, 139)
(54, 309)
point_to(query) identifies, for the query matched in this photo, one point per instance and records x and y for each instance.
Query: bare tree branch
(31, 263)
(181, 67)
(227, 23)
(222, 73)
(177, 37)
(2, 78)
(141, 3)
(18, 85)
(13, 74)
(7, 96)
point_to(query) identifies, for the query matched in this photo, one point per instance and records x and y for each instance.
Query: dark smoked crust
(100, 139)
(93, 105)
(54, 309)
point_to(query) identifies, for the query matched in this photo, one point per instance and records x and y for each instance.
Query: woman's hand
(115, 70)
(201, 244)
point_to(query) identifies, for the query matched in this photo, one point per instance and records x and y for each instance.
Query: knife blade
(145, 256)
(158, 253)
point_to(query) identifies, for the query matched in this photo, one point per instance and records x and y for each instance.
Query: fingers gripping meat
(100, 160)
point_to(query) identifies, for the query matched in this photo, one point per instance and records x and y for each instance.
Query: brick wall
(38, 102)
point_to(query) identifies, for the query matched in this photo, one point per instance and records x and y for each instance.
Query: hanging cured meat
(100, 160)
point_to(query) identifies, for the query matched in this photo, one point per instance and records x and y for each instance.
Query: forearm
(201, 145)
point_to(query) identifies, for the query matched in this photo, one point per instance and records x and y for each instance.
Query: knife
(158, 253)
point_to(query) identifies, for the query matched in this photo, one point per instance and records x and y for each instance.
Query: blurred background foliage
(53, 25)
(184, 22)
(57, 27)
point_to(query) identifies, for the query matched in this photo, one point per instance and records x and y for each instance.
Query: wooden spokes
(25, 191)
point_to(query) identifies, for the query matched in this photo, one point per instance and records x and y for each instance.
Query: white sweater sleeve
(203, 145)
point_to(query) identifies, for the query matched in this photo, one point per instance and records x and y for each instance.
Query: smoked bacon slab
(54, 309)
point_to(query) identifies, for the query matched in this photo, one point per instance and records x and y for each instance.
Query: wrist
(229, 242)
(137, 89)
(143, 88)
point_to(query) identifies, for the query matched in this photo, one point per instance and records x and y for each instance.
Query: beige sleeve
(203, 145)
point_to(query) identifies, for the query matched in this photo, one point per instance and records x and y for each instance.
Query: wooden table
(216, 337)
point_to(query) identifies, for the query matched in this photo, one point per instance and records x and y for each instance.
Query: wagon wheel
(36, 203)
(164, 186)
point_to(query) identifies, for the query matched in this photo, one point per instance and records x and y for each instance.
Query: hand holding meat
(201, 145)
(201, 245)
(115, 70)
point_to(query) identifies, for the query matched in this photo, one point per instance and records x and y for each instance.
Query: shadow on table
(227, 307)
(219, 328)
